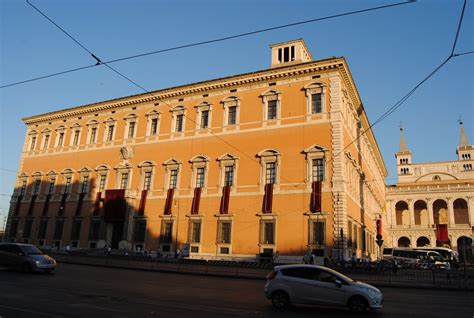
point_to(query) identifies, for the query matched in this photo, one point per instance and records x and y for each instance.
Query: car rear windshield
(31, 250)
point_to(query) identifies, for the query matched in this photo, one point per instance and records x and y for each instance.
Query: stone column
(429, 205)
(412, 212)
(450, 212)
(393, 213)
(470, 208)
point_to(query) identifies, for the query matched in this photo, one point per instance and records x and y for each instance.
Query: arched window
(421, 213)
(461, 211)
(404, 242)
(422, 241)
(402, 213)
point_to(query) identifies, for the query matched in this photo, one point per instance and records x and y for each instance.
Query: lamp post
(176, 204)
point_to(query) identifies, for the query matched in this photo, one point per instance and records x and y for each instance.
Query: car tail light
(272, 275)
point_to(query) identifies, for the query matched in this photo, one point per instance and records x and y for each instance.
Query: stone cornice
(199, 87)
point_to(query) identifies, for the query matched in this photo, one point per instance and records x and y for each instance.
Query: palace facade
(273, 160)
(433, 203)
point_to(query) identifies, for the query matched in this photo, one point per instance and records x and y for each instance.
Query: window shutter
(224, 209)
(79, 204)
(62, 206)
(32, 204)
(268, 198)
(46, 205)
(98, 199)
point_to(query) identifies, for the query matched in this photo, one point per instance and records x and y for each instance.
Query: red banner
(196, 201)
(114, 208)
(315, 204)
(169, 201)
(268, 198)
(141, 208)
(442, 233)
(224, 208)
(98, 199)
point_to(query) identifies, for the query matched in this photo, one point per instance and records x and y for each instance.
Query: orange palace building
(228, 168)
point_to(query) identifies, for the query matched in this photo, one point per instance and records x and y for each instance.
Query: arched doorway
(461, 212)
(402, 213)
(440, 212)
(404, 242)
(421, 212)
(465, 249)
(422, 241)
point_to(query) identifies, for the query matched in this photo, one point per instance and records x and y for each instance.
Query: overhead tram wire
(404, 98)
(99, 62)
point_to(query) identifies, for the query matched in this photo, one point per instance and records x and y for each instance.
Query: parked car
(25, 257)
(319, 285)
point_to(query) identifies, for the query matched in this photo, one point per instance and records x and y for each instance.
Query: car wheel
(357, 304)
(26, 268)
(280, 300)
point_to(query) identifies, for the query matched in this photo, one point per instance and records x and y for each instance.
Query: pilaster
(450, 211)
(429, 205)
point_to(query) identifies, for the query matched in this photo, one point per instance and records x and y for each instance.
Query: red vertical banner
(169, 201)
(196, 201)
(141, 208)
(114, 208)
(379, 226)
(224, 209)
(315, 204)
(268, 198)
(98, 199)
(442, 233)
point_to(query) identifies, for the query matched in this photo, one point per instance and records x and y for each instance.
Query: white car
(319, 285)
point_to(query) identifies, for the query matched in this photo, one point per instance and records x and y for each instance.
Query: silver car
(319, 285)
(25, 257)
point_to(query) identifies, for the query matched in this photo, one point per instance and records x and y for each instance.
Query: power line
(3, 169)
(99, 62)
(459, 28)
(461, 54)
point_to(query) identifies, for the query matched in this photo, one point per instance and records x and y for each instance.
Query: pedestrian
(275, 257)
(68, 249)
(306, 259)
(313, 259)
(109, 249)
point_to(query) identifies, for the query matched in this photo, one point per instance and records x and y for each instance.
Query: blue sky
(388, 51)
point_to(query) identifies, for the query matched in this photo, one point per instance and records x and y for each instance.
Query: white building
(433, 203)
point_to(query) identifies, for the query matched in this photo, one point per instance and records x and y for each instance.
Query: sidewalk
(406, 278)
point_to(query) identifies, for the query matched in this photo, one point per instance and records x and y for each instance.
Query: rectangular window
(270, 173)
(52, 185)
(43, 226)
(33, 143)
(36, 187)
(110, 133)
(23, 188)
(318, 233)
(85, 183)
(76, 230)
(27, 228)
(46, 142)
(147, 181)
(272, 109)
(268, 235)
(67, 187)
(131, 129)
(173, 178)
(179, 123)
(94, 230)
(195, 236)
(58, 230)
(102, 180)
(225, 232)
(204, 119)
(318, 170)
(140, 231)
(60, 140)
(316, 105)
(154, 127)
(93, 135)
(167, 236)
(200, 178)
(76, 138)
(232, 120)
(124, 181)
(229, 176)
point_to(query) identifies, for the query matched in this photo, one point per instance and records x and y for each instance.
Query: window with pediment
(60, 135)
(153, 123)
(271, 101)
(76, 133)
(178, 119)
(203, 115)
(231, 110)
(46, 138)
(110, 129)
(315, 98)
(92, 131)
(131, 122)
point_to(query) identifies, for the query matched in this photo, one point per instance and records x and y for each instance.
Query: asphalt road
(86, 291)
